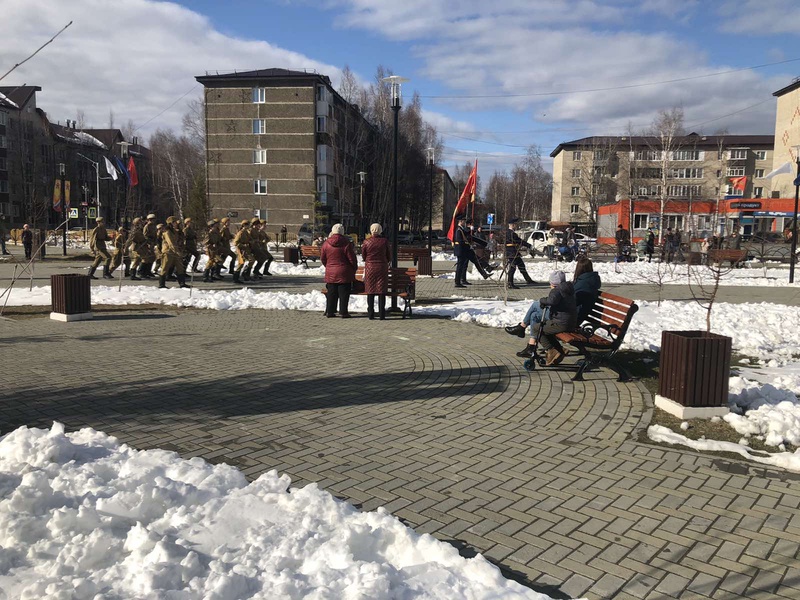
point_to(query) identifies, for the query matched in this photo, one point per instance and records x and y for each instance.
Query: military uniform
(244, 253)
(139, 250)
(260, 245)
(462, 249)
(191, 245)
(225, 246)
(213, 241)
(151, 238)
(97, 243)
(513, 258)
(120, 241)
(173, 247)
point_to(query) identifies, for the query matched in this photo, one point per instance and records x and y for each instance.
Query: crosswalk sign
(73, 213)
(92, 212)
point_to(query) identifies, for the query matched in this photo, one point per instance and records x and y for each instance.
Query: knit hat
(338, 228)
(376, 229)
(557, 277)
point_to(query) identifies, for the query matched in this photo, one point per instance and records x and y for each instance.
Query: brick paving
(437, 422)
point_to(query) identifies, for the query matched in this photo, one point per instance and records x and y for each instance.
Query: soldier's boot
(186, 260)
(107, 273)
(182, 281)
(207, 276)
(133, 275)
(171, 275)
(265, 270)
(246, 274)
(256, 274)
(195, 268)
(236, 277)
(482, 271)
(91, 272)
(232, 267)
(162, 281)
(217, 273)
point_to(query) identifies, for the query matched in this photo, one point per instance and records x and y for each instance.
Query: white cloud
(135, 57)
(756, 17)
(444, 123)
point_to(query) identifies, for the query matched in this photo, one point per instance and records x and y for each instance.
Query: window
(687, 173)
(759, 173)
(322, 93)
(686, 155)
(647, 155)
(259, 126)
(574, 209)
(322, 184)
(322, 124)
(730, 191)
(3, 118)
(761, 155)
(703, 222)
(758, 192)
(576, 191)
(673, 221)
(260, 186)
(3, 164)
(738, 153)
(641, 221)
(576, 155)
(322, 153)
(683, 191)
(601, 154)
(259, 157)
(646, 173)
(259, 95)
(576, 172)
(3, 186)
(735, 171)
(3, 142)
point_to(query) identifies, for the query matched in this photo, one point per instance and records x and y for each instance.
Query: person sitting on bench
(586, 282)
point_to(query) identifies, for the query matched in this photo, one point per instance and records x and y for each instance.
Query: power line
(618, 87)
(166, 109)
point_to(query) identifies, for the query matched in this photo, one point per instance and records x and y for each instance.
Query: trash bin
(291, 255)
(71, 297)
(693, 374)
(425, 265)
(694, 258)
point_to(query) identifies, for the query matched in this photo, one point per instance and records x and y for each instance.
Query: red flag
(468, 195)
(132, 172)
(739, 183)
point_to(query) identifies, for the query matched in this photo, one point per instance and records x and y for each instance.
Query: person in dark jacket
(340, 262)
(27, 240)
(377, 253)
(586, 283)
(462, 250)
(562, 317)
(650, 244)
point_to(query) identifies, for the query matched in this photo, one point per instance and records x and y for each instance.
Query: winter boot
(91, 272)
(232, 267)
(482, 271)
(246, 274)
(182, 281)
(133, 276)
(207, 276)
(236, 277)
(371, 306)
(382, 307)
(528, 352)
(162, 281)
(517, 330)
(107, 273)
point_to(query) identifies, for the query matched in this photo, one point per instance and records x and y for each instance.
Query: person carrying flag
(462, 250)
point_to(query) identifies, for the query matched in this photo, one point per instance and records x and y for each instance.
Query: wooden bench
(307, 252)
(402, 283)
(419, 256)
(733, 256)
(601, 335)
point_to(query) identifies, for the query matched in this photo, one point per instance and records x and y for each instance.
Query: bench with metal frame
(309, 252)
(402, 283)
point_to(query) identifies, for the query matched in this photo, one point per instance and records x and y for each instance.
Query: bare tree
(80, 120)
(704, 283)
(664, 139)
(597, 174)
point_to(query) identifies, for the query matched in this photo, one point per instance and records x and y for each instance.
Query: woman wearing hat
(340, 262)
(377, 255)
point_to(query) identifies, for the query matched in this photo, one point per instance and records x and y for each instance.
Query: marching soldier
(172, 250)
(157, 246)
(97, 242)
(260, 245)
(120, 241)
(191, 245)
(462, 249)
(225, 246)
(513, 258)
(151, 238)
(139, 249)
(244, 253)
(213, 241)
(476, 241)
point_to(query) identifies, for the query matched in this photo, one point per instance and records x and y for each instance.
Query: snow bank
(84, 517)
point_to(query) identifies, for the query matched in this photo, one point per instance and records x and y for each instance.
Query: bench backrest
(310, 250)
(727, 254)
(401, 280)
(613, 314)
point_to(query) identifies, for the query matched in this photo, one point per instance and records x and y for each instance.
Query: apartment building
(598, 170)
(283, 145)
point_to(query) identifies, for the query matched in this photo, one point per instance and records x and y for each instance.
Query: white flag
(110, 168)
(784, 168)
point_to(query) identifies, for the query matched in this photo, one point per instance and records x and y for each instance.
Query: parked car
(582, 239)
(405, 238)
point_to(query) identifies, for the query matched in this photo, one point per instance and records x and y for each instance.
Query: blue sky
(137, 57)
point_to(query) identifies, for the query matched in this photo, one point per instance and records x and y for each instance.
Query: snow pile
(4, 98)
(84, 517)
(89, 140)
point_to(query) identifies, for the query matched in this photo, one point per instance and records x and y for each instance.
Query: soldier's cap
(245, 223)
(170, 220)
(137, 220)
(225, 220)
(514, 220)
(215, 220)
(469, 221)
(160, 226)
(255, 221)
(187, 220)
(151, 216)
(211, 222)
(99, 219)
(120, 229)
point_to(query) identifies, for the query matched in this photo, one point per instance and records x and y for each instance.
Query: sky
(494, 77)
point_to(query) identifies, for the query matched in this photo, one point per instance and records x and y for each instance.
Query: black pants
(28, 249)
(338, 292)
(515, 263)
(462, 262)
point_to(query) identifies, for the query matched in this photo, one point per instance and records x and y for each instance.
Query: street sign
(232, 214)
(746, 205)
(73, 213)
(490, 219)
(92, 212)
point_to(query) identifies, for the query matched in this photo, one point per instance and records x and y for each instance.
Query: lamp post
(793, 256)
(62, 170)
(362, 232)
(431, 161)
(395, 81)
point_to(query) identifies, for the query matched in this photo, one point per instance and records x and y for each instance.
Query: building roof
(73, 136)
(17, 96)
(691, 139)
(108, 136)
(212, 77)
(789, 88)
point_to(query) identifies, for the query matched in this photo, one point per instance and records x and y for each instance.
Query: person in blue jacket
(586, 282)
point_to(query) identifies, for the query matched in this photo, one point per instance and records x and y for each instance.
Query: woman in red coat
(377, 255)
(339, 259)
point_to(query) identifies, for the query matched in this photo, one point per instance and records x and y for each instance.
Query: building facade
(599, 170)
(283, 145)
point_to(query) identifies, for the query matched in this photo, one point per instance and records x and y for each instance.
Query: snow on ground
(84, 517)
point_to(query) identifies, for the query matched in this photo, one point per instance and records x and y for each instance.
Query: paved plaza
(434, 420)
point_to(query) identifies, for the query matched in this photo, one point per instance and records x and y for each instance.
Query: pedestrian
(3, 233)
(244, 253)
(513, 258)
(492, 246)
(27, 241)
(284, 231)
(650, 245)
(551, 242)
(461, 249)
(191, 245)
(677, 241)
(173, 247)
(97, 243)
(669, 245)
(377, 254)
(339, 259)
(563, 316)
(704, 248)
(623, 238)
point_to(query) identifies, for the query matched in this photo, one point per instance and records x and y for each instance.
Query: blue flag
(121, 168)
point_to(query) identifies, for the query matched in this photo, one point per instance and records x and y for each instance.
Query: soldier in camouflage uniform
(213, 242)
(139, 249)
(173, 246)
(260, 248)
(225, 246)
(120, 242)
(191, 245)
(151, 237)
(97, 242)
(244, 253)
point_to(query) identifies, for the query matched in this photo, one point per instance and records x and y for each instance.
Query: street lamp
(395, 81)
(793, 256)
(62, 170)
(362, 232)
(431, 161)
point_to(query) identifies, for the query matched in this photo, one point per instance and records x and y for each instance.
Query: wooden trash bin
(71, 297)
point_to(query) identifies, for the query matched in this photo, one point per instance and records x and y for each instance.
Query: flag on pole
(57, 196)
(67, 186)
(784, 168)
(738, 183)
(122, 169)
(468, 195)
(134, 178)
(110, 169)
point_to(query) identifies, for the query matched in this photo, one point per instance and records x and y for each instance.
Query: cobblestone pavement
(436, 421)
